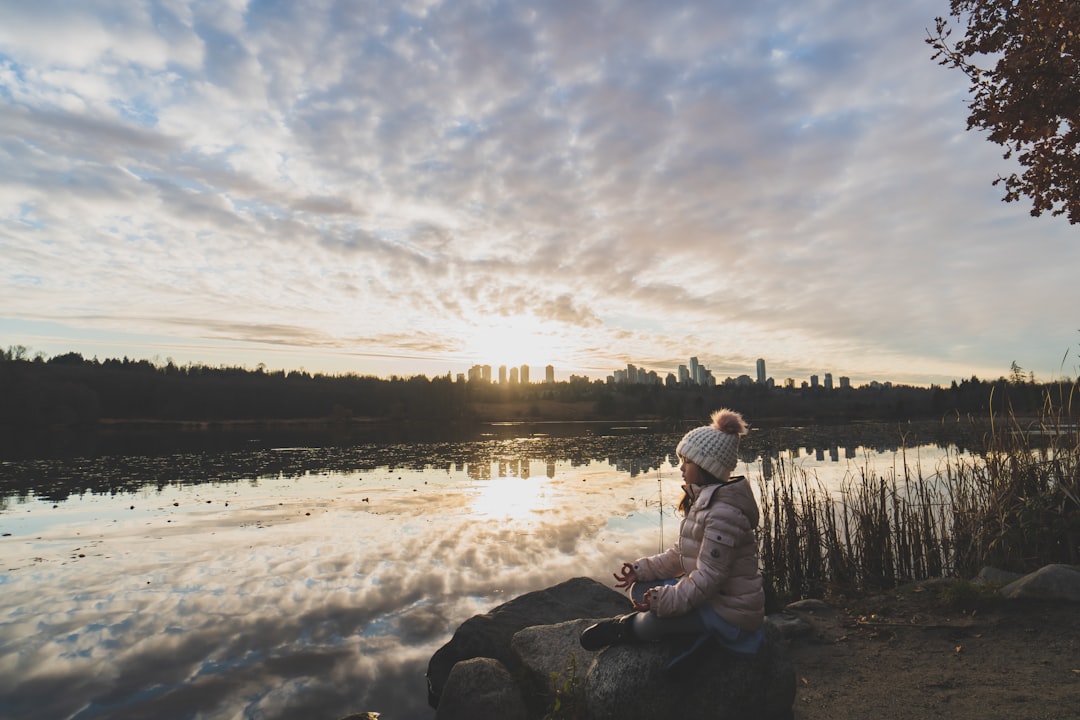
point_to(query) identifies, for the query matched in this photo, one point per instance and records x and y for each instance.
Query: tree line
(69, 390)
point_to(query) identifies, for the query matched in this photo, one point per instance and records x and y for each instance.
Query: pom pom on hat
(714, 448)
(729, 421)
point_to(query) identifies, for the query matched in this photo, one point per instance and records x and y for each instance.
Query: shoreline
(910, 653)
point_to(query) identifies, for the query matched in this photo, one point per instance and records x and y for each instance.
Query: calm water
(259, 578)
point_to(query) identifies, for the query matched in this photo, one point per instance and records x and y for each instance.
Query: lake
(267, 573)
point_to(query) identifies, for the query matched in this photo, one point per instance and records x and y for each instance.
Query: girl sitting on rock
(708, 584)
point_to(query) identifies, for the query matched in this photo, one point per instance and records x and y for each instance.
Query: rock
(544, 657)
(489, 635)
(790, 624)
(808, 605)
(994, 576)
(551, 659)
(935, 583)
(480, 688)
(1052, 582)
(628, 682)
(613, 683)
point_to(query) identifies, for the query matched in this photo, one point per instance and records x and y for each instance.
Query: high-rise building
(828, 381)
(524, 374)
(694, 368)
(684, 375)
(813, 381)
(502, 374)
(485, 373)
(761, 371)
(549, 374)
(513, 376)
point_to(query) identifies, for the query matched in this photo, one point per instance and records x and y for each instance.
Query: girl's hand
(646, 603)
(626, 577)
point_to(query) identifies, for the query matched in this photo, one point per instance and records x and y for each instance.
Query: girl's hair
(686, 501)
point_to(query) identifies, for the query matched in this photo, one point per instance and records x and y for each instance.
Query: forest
(69, 390)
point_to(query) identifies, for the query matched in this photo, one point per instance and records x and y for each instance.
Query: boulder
(809, 605)
(628, 682)
(1051, 582)
(480, 688)
(790, 624)
(489, 635)
(552, 661)
(994, 577)
(517, 659)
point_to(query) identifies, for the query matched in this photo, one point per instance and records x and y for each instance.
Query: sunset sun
(513, 341)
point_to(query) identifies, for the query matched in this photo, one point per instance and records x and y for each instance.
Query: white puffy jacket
(715, 559)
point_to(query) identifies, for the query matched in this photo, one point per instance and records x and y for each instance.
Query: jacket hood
(737, 494)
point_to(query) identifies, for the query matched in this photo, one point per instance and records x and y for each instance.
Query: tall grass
(1014, 505)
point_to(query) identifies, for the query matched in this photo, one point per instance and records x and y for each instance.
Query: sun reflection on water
(516, 499)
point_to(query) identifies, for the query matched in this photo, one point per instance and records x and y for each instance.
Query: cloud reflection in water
(320, 595)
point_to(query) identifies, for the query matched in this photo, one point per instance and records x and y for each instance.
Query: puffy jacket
(715, 559)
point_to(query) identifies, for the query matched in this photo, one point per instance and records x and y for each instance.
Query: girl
(708, 584)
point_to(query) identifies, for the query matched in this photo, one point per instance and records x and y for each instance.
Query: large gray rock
(489, 635)
(809, 605)
(791, 624)
(995, 577)
(628, 682)
(1052, 582)
(552, 660)
(480, 688)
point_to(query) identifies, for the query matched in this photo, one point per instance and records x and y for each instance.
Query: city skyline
(693, 373)
(423, 186)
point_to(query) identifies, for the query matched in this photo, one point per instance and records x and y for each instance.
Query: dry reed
(1013, 505)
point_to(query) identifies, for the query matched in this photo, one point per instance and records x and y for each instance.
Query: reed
(1014, 505)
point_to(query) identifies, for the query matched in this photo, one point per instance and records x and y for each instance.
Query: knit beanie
(714, 448)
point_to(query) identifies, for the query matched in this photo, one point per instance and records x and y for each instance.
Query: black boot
(616, 631)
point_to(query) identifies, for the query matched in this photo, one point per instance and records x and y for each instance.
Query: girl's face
(691, 473)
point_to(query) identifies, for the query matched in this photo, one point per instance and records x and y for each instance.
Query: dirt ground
(918, 653)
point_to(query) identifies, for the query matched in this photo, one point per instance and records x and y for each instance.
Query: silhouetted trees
(70, 390)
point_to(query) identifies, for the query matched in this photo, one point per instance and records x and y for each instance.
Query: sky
(416, 187)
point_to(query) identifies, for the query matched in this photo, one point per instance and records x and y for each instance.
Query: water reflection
(308, 581)
(516, 498)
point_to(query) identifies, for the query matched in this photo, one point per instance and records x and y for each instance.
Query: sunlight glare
(513, 341)
(510, 498)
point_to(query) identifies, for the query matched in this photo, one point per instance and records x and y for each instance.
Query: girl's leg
(650, 628)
